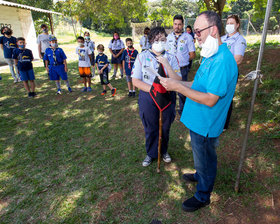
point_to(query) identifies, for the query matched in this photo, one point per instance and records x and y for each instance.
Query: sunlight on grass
(26, 132)
(175, 191)
(70, 203)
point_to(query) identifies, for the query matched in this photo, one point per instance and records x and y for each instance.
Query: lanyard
(130, 55)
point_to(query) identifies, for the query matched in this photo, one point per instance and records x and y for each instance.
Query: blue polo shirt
(54, 56)
(125, 58)
(24, 57)
(9, 44)
(216, 75)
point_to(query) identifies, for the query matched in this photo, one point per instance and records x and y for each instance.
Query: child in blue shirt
(23, 60)
(56, 65)
(8, 43)
(128, 58)
(102, 64)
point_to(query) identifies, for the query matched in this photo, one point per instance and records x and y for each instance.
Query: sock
(130, 91)
(121, 72)
(133, 91)
(67, 83)
(57, 85)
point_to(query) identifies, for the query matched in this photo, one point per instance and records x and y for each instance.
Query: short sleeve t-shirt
(9, 44)
(101, 60)
(24, 57)
(147, 59)
(216, 75)
(236, 43)
(55, 56)
(116, 45)
(129, 57)
(84, 59)
(43, 39)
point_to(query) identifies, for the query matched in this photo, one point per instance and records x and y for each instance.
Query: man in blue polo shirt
(205, 111)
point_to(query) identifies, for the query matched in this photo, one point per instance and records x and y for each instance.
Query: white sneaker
(147, 161)
(166, 158)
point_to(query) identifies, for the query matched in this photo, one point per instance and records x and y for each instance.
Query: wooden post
(159, 141)
(51, 22)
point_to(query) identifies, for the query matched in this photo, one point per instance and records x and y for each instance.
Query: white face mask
(209, 47)
(159, 46)
(230, 28)
(81, 44)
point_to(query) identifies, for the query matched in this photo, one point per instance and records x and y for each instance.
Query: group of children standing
(20, 60)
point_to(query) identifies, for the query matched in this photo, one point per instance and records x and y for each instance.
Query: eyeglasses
(198, 32)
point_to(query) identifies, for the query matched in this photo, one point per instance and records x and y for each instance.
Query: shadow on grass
(76, 158)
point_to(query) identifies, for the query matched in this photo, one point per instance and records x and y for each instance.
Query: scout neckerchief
(130, 55)
(176, 41)
(54, 56)
(159, 94)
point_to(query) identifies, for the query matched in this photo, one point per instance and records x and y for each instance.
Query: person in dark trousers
(208, 99)
(143, 79)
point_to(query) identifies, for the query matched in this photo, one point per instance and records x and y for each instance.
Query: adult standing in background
(236, 44)
(180, 44)
(144, 41)
(116, 47)
(8, 43)
(43, 42)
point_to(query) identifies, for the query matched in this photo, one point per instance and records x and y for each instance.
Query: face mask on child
(54, 45)
(159, 46)
(21, 46)
(45, 30)
(116, 37)
(8, 32)
(81, 44)
(87, 38)
(100, 52)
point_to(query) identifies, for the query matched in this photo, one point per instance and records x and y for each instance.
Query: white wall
(22, 25)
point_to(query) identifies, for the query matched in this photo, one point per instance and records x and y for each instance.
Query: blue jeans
(205, 163)
(182, 98)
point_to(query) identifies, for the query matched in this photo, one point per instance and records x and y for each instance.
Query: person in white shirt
(116, 47)
(43, 41)
(144, 41)
(181, 44)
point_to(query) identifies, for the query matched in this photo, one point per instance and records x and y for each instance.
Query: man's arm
(192, 55)
(207, 99)
(238, 59)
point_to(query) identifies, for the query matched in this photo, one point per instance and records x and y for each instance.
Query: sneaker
(192, 204)
(133, 94)
(84, 89)
(147, 161)
(70, 90)
(113, 76)
(29, 94)
(33, 94)
(103, 93)
(58, 92)
(15, 81)
(166, 158)
(121, 76)
(89, 89)
(189, 177)
(114, 91)
(129, 94)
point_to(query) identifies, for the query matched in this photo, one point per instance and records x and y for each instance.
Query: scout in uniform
(143, 78)
(144, 41)
(116, 47)
(56, 64)
(181, 44)
(128, 58)
(236, 43)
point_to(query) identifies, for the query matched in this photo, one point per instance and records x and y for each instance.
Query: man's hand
(47, 68)
(169, 84)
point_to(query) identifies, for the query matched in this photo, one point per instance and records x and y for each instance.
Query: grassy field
(76, 158)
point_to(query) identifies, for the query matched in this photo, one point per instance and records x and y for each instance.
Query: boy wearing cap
(56, 65)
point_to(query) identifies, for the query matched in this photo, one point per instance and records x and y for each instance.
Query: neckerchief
(130, 55)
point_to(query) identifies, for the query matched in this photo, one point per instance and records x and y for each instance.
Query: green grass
(76, 158)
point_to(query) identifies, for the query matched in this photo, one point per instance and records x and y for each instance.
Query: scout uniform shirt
(55, 56)
(145, 43)
(116, 45)
(148, 59)
(236, 43)
(180, 46)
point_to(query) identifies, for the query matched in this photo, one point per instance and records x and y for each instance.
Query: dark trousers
(182, 98)
(205, 163)
(149, 114)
